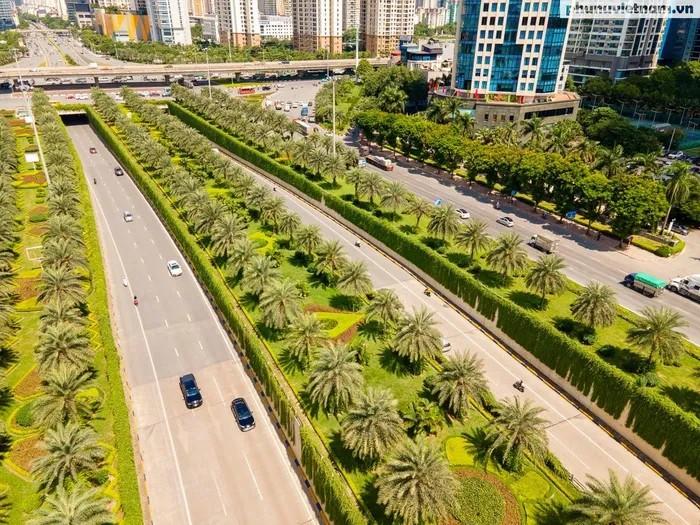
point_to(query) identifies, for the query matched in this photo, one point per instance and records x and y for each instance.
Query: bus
(380, 162)
(304, 128)
(246, 90)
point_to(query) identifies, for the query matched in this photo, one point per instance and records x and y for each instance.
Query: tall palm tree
(387, 307)
(679, 186)
(416, 484)
(444, 221)
(419, 207)
(534, 127)
(355, 279)
(316, 161)
(546, 277)
(394, 197)
(59, 312)
(335, 379)
(392, 100)
(243, 186)
(260, 272)
(465, 123)
(64, 344)
(518, 428)
(508, 257)
(417, 337)
(257, 195)
(242, 252)
(70, 449)
(62, 401)
(64, 227)
(272, 210)
(303, 151)
(371, 185)
(473, 237)
(611, 162)
(657, 332)
(334, 166)
(438, 111)
(610, 502)
(227, 231)
(351, 157)
(372, 425)
(595, 305)
(309, 238)
(80, 505)
(289, 223)
(306, 336)
(462, 377)
(280, 304)
(331, 259)
(208, 216)
(588, 151)
(354, 177)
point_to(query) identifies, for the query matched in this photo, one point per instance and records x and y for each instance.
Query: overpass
(168, 70)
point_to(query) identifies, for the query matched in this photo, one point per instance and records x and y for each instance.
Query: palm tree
(371, 185)
(387, 307)
(257, 195)
(229, 230)
(416, 484)
(518, 428)
(289, 223)
(303, 151)
(355, 176)
(242, 252)
(419, 207)
(595, 305)
(316, 161)
(62, 401)
(331, 259)
(272, 210)
(444, 221)
(70, 508)
(58, 312)
(372, 425)
(64, 344)
(243, 185)
(335, 379)
(260, 272)
(208, 216)
(465, 123)
(392, 100)
(534, 127)
(334, 166)
(395, 197)
(70, 449)
(508, 257)
(679, 186)
(305, 338)
(462, 377)
(473, 237)
(611, 162)
(588, 151)
(546, 277)
(64, 227)
(657, 332)
(354, 279)
(615, 503)
(417, 337)
(280, 303)
(309, 238)
(351, 157)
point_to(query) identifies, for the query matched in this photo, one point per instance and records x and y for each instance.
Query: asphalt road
(583, 447)
(200, 468)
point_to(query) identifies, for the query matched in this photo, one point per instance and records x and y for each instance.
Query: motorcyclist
(136, 301)
(94, 180)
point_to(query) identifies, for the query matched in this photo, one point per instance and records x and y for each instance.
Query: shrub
(554, 465)
(607, 351)
(99, 477)
(39, 217)
(565, 325)
(649, 379)
(637, 364)
(663, 251)
(479, 502)
(589, 338)
(24, 416)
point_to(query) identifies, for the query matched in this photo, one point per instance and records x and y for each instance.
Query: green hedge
(340, 507)
(654, 418)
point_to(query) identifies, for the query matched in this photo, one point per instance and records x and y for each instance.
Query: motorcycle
(428, 292)
(497, 205)
(357, 243)
(94, 181)
(136, 301)
(545, 214)
(518, 385)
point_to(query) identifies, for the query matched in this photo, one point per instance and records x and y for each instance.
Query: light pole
(206, 52)
(682, 115)
(333, 81)
(230, 60)
(357, 49)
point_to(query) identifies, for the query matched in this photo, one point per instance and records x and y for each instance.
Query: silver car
(128, 217)
(506, 221)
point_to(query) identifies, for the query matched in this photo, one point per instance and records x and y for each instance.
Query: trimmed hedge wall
(653, 417)
(339, 505)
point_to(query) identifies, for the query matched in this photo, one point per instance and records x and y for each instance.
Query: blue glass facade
(467, 44)
(552, 50)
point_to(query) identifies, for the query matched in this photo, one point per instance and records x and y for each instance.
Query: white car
(174, 268)
(676, 155)
(463, 214)
(506, 221)
(82, 96)
(128, 217)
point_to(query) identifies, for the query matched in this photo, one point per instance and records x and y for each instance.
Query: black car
(190, 391)
(118, 171)
(244, 417)
(266, 88)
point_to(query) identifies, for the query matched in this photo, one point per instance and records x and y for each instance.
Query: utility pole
(333, 116)
(230, 60)
(206, 52)
(357, 49)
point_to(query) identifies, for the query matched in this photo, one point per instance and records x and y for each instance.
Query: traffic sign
(513, 193)
(438, 202)
(571, 215)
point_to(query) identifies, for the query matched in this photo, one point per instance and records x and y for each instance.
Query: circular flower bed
(484, 500)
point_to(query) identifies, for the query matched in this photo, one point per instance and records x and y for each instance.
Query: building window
(523, 74)
(478, 60)
(491, 33)
(527, 7)
(535, 61)
(477, 72)
(499, 34)
(528, 48)
(545, 5)
(536, 7)
(522, 86)
(522, 35)
(486, 72)
(530, 86)
(524, 21)
(502, 8)
(483, 84)
(486, 117)
(531, 34)
(482, 34)
(493, 21)
(537, 48)
(511, 118)
(483, 20)
(487, 60)
(533, 73)
(481, 47)
(539, 34)
(486, 6)
(488, 48)
(526, 61)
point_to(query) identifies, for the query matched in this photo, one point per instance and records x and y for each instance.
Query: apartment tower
(351, 14)
(318, 24)
(169, 21)
(239, 22)
(382, 22)
(275, 7)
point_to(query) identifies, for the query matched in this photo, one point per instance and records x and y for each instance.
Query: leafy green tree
(461, 378)
(80, 505)
(657, 332)
(517, 429)
(416, 484)
(305, 338)
(546, 277)
(372, 425)
(385, 306)
(392, 100)
(634, 203)
(444, 221)
(309, 238)
(595, 305)
(364, 68)
(679, 186)
(280, 304)
(355, 279)
(418, 338)
(418, 207)
(611, 162)
(260, 272)
(395, 197)
(62, 401)
(335, 379)
(465, 123)
(473, 237)
(423, 417)
(70, 450)
(594, 192)
(610, 502)
(508, 257)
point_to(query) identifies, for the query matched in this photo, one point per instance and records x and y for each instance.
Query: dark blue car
(190, 391)
(244, 417)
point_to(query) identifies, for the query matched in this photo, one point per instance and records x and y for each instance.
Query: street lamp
(230, 60)
(333, 81)
(206, 52)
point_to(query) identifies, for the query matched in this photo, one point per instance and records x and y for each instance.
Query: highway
(200, 468)
(583, 447)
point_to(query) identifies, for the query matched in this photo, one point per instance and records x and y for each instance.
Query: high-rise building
(122, 27)
(275, 7)
(239, 22)
(382, 22)
(169, 21)
(8, 15)
(278, 27)
(509, 61)
(318, 24)
(681, 41)
(613, 47)
(351, 14)
(197, 8)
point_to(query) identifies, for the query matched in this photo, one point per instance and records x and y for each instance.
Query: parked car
(244, 417)
(128, 217)
(463, 214)
(118, 171)
(679, 228)
(506, 221)
(174, 269)
(190, 391)
(676, 155)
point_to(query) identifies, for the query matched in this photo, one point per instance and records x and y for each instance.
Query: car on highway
(93, 149)
(295, 104)
(118, 171)
(679, 228)
(174, 268)
(463, 214)
(80, 81)
(190, 391)
(128, 217)
(506, 221)
(82, 96)
(244, 417)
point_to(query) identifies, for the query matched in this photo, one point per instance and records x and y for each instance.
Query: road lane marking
(149, 279)
(166, 323)
(178, 293)
(161, 257)
(176, 352)
(135, 245)
(128, 230)
(223, 507)
(153, 242)
(200, 345)
(190, 320)
(216, 384)
(157, 299)
(142, 261)
(253, 475)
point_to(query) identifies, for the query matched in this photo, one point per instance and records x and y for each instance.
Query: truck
(304, 128)
(544, 244)
(93, 65)
(644, 283)
(688, 286)
(380, 162)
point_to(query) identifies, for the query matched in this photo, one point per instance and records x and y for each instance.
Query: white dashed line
(253, 475)
(157, 299)
(178, 293)
(153, 242)
(223, 507)
(161, 257)
(135, 245)
(176, 352)
(166, 323)
(190, 320)
(149, 279)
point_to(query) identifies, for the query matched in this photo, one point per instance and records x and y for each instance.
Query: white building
(279, 27)
(432, 16)
(382, 22)
(351, 14)
(318, 24)
(239, 22)
(8, 15)
(169, 21)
